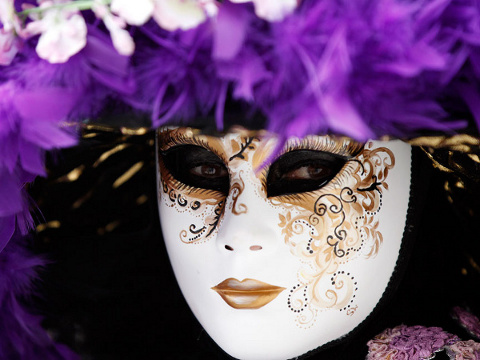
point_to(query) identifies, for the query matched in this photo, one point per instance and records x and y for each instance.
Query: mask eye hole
(300, 171)
(197, 167)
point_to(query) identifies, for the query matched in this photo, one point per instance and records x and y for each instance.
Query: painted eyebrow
(341, 146)
(172, 138)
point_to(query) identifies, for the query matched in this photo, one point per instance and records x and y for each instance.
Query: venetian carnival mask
(280, 249)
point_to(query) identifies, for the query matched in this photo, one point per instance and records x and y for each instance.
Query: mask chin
(279, 277)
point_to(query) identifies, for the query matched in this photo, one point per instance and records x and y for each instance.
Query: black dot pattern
(305, 298)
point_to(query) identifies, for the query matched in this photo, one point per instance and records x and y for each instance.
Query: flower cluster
(63, 30)
(464, 350)
(414, 343)
(467, 320)
(420, 343)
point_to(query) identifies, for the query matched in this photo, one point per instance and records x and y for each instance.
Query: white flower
(63, 33)
(272, 10)
(11, 28)
(209, 6)
(6, 14)
(121, 39)
(169, 14)
(134, 12)
(179, 14)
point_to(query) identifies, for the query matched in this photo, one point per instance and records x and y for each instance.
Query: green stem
(74, 5)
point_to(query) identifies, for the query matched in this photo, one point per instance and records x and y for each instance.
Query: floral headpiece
(359, 68)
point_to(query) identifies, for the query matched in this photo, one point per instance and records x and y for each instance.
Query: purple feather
(36, 100)
(11, 197)
(360, 68)
(7, 227)
(176, 78)
(232, 24)
(23, 338)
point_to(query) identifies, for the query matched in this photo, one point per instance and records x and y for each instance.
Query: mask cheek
(333, 230)
(195, 217)
(189, 224)
(190, 220)
(190, 248)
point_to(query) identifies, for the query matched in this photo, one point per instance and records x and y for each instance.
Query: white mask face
(278, 256)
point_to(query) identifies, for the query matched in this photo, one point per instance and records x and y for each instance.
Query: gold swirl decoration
(236, 189)
(332, 228)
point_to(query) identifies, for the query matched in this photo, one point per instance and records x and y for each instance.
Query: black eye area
(300, 171)
(197, 167)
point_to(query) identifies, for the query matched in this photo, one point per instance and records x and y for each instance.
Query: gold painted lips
(247, 294)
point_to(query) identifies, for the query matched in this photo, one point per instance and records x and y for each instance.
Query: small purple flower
(413, 343)
(379, 347)
(467, 320)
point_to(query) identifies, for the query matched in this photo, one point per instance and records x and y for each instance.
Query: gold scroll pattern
(331, 227)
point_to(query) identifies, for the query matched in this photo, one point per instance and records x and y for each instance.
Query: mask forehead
(287, 273)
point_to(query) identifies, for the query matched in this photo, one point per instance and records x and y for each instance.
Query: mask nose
(252, 248)
(253, 230)
(246, 239)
